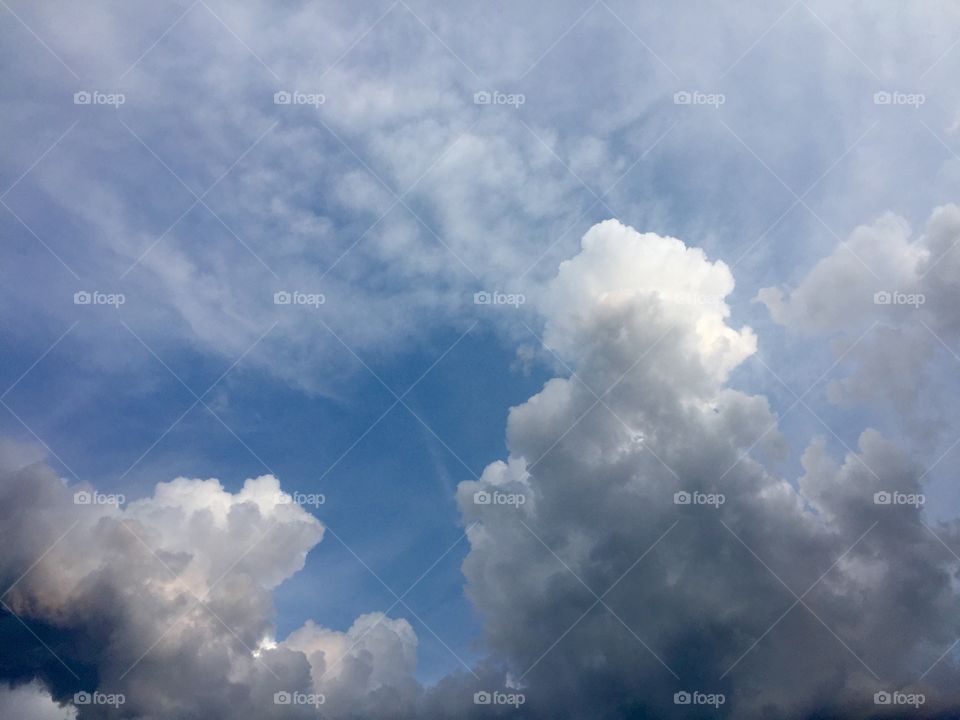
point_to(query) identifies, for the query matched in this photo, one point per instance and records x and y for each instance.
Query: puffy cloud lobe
(891, 298)
(167, 601)
(601, 479)
(619, 271)
(365, 670)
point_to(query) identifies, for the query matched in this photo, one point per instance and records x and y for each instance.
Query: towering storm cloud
(651, 554)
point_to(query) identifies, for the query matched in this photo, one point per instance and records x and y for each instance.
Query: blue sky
(767, 171)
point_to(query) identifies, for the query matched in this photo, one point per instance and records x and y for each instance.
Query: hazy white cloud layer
(398, 196)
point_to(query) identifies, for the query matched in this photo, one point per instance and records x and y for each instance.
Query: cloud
(166, 601)
(606, 597)
(886, 297)
(33, 702)
(364, 671)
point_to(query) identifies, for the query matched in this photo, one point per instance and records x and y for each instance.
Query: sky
(453, 360)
